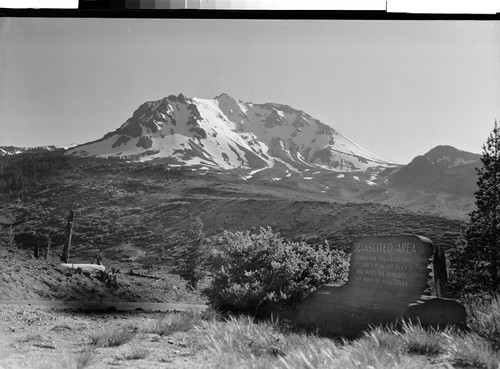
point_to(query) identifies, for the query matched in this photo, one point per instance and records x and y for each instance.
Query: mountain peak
(225, 97)
(222, 95)
(226, 133)
(448, 156)
(444, 169)
(180, 98)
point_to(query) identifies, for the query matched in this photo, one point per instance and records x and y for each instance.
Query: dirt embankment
(26, 278)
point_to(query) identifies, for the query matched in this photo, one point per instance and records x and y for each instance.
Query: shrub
(253, 272)
(108, 278)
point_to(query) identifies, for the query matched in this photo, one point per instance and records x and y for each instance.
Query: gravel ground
(44, 337)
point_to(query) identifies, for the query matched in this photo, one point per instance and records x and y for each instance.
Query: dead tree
(69, 233)
(47, 250)
(36, 249)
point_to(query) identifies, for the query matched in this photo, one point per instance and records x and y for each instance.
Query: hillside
(444, 169)
(134, 211)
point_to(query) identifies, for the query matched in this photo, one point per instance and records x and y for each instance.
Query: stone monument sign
(388, 276)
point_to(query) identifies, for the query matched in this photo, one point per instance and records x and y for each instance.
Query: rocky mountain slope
(226, 133)
(449, 157)
(444, 169)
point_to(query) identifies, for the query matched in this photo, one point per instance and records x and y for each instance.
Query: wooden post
(69, 233)
(440, 274)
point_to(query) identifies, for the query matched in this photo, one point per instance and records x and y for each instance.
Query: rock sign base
(389, 277)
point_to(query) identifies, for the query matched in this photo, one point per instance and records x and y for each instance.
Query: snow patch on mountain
(15, 150)
(454, 162)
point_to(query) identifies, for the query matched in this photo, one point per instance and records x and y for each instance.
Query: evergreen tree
(193, 254)
(476, 260)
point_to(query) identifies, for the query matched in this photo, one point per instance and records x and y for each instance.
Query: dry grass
(423, 341)
(471, 350)
(241, 342)
(137, 353)
(85, 358)
(82, 360)
(172, 323)
(483, 317)
(244, 338)
(111, 337)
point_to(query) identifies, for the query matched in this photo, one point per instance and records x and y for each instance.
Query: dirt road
(111, 305)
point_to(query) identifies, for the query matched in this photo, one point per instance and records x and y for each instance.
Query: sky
(397, 88)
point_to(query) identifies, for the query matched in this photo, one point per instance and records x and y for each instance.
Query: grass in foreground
(423, 341)
(483, 317)
(137, 353)
(241, 342)
(179, 322)
(81, 360)
(111, 337)
(470, 350)
(173, 323)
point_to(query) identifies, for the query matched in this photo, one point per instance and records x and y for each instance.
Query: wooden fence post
(440, 274)
(69, 233)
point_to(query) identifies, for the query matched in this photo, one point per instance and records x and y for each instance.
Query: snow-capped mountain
(225, 133)
(14, 150)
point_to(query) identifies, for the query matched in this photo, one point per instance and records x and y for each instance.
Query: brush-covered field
(134, 213)
(133, 216)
